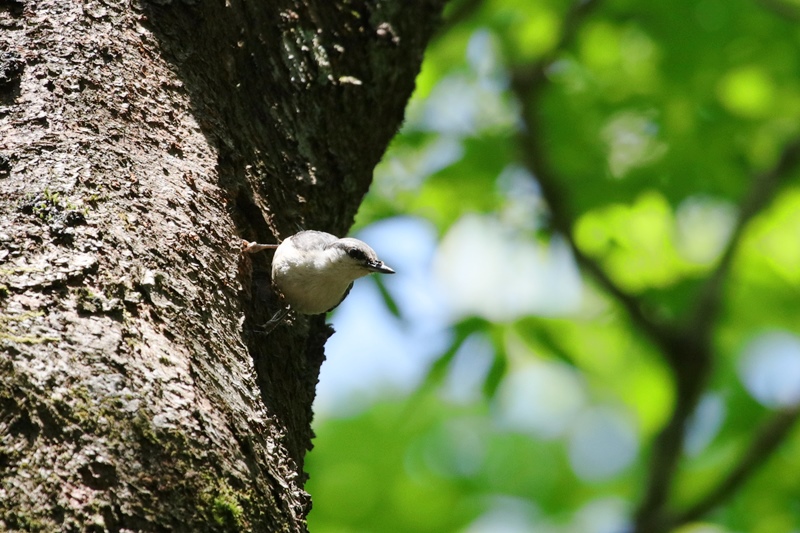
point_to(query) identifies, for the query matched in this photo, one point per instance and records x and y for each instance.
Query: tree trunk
(139, 142)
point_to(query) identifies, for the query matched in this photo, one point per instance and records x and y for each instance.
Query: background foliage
(595, 213)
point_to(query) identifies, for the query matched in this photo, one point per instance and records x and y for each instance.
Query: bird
(314, 270)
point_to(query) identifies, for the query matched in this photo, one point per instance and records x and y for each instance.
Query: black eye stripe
(355, 253)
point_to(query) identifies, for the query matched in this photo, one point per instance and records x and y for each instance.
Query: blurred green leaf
(386, 296)
(497, 372)
(655, 121)
(462, 331)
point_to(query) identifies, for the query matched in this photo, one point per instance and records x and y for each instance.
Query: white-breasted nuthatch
(314, 270)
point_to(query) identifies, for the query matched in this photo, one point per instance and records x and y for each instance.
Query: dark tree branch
(528, 84)
(766, 441)
(691, 356)
(763, 189)
(686, 347)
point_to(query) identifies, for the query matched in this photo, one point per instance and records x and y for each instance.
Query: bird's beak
(379, 266)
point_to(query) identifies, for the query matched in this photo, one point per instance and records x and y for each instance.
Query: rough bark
(139, 142)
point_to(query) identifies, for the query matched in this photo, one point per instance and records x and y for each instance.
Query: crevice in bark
(11, 68)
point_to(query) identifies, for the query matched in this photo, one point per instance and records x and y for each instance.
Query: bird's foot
(274, 322)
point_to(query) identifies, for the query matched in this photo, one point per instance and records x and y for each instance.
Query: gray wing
(312, 240)
(343, 297)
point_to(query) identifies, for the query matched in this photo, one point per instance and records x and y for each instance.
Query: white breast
(309, 282)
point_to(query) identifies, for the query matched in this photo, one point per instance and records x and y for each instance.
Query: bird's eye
(357, 254)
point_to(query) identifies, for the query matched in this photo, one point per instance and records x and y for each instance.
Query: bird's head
(357, 258)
